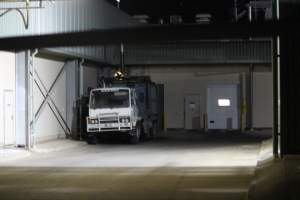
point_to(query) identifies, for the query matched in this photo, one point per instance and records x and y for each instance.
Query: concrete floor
(176, 166)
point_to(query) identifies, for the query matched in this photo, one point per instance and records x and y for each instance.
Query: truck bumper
(104, 129)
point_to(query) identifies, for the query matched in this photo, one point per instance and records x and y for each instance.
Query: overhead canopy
(151, 34)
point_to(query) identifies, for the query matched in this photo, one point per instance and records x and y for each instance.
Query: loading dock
(187, 80)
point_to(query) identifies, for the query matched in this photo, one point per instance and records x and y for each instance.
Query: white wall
(7, 82)
(182, 81)
(262, 100)
(47, 126)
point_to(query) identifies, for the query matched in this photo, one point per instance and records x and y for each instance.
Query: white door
(222, 107)
(192, 112)
(9, 118)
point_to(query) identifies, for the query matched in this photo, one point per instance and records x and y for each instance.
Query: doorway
(192, 112)
(222, 107)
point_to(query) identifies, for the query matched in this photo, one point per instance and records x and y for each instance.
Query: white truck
(123, 110)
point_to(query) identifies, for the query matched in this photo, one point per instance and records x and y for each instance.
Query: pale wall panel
(7, 82)
(262, 100)
(180, 82)
(47, 126)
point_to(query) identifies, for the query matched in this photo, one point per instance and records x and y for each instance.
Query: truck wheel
(153, 133)
(135, 138)
(91, 139)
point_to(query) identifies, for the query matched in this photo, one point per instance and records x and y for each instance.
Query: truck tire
(91, 139)
(136, 136)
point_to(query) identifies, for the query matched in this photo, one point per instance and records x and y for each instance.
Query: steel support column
(21, 99)
(27, 103)
(276, 86)
(30, 89)
(275, 98)
(81, 91)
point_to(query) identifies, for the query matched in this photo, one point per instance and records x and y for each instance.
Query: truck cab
(113, 110)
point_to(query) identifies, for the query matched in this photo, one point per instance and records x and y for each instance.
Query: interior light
(224, 102)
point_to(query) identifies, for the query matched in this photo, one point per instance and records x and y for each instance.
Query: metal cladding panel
(206, 52)
(93, 53)
(72, 83)
(63, 16)
(21, 99)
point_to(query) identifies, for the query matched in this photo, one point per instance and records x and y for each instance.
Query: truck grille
(104, 120)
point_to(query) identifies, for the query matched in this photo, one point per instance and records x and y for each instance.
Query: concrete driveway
(179, 165)
(172, 149)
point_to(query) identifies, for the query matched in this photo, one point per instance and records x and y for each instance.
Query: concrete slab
(171, 150)
(275, 178)
(179, 149)
(292, 171)
(56, 145)
(11, 154)
(177, 166)
(124, 183)
(266, 151)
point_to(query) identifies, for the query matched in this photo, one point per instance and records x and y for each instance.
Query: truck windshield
(109, 99)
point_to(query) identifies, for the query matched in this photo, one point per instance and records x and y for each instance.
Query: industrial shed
(104, 99)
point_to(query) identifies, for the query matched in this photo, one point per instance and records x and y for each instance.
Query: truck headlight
(93, 121)
(125, 119)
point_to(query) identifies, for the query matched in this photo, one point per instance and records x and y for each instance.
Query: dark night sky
(220, 9)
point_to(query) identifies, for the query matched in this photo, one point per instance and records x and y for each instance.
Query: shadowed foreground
(125, 183)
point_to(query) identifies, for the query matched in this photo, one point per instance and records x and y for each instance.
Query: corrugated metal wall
(65, 16)
(79, 15)
(206, 52)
